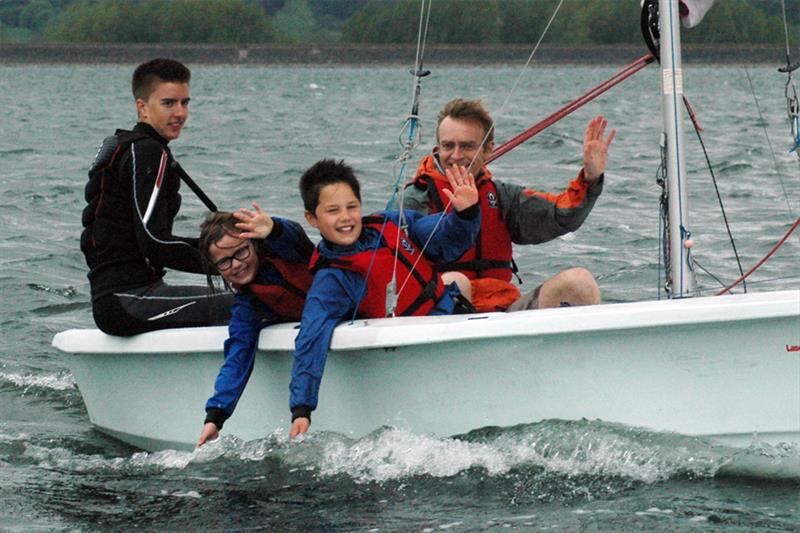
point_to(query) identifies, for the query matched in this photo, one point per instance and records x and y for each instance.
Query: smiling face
(166, 109)
(459, 143)
(338, 214)
(235, 259)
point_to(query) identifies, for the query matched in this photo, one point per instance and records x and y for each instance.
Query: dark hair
(473, 110)
(149, 74)
(214, 227)
(322, 173)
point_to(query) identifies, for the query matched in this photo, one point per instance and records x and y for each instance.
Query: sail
(693, 11)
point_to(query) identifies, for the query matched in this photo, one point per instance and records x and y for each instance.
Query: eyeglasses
(240, 255)
(450, 146)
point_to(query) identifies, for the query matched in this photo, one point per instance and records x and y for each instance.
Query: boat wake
(580, 457)
(47, 382)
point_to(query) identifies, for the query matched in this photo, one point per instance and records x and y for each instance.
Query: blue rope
(796, 128)
(662, 237)
(404, 156)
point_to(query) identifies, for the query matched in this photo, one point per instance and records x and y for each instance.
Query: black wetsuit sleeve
(156, 202)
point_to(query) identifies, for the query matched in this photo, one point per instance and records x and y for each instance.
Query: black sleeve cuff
(217, 416)
(597, 187)
(301, 411)
(470, 213)
(277, 230)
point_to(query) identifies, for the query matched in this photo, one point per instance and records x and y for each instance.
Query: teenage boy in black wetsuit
(133, 198)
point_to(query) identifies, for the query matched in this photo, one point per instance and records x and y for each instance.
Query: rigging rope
(790, 91)
(761, 120)
(520, 138)
(516, 82)
(763, 123)
(502, 108)
(763, 260)
(412, 126)
(553, 118)
(697, 130)
(794, 110)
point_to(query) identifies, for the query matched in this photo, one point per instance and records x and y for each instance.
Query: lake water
(251, 133)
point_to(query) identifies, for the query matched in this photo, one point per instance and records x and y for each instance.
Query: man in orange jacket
(511, 213)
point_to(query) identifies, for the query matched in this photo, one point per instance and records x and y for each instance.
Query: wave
(17, 151)
(67, 292)
(56, 382)
(574, 456)
(57, 309)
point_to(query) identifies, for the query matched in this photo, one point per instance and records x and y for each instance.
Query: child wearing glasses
(265, 261)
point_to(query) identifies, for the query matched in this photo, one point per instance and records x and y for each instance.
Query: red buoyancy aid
(491, 255)
(421, 285)
(287, 297)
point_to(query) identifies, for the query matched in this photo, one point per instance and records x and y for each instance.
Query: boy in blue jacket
(356, 259)
(265, 260)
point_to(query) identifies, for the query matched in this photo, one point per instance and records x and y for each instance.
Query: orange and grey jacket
(490, 256)
(511, 213)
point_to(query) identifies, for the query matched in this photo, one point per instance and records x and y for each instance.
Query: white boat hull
(726, 368)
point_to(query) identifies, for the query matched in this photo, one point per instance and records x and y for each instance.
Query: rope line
(704, 269)
(762, 121)
(785, 31)
(486, 136)
(411, 124)
(516, 82)
(520, 138)
(763, 260)
(697, 130)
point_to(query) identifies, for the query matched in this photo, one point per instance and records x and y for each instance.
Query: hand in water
(209, 433)
(299, 426)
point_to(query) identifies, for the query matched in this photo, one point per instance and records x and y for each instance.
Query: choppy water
(251, 133)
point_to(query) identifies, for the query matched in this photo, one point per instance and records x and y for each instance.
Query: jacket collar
(431, 166)
(150, 131)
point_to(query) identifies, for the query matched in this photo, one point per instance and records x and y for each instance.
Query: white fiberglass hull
(722, 367)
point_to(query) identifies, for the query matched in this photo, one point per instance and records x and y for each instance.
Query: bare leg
(461, 280)
(575, 286)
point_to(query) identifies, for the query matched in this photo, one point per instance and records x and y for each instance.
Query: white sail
(693, 11)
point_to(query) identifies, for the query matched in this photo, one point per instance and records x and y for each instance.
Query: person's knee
(461, 281)
(579, 277)
(574, 286)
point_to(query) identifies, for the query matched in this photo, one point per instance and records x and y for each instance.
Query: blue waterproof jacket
(249, 315)
(335, 292)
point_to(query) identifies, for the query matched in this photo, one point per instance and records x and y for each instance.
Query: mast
(679, 268)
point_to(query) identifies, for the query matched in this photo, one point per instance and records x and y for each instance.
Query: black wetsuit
(133, 198)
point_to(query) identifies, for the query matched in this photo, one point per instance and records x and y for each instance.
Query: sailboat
(726, 368)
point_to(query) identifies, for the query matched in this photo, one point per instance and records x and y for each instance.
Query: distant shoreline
(373, 55)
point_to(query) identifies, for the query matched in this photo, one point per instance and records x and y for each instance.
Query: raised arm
(534, 216)
(284, 237)
(447, 236)
(595, 148)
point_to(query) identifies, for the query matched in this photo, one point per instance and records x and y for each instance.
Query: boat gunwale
(394, 332)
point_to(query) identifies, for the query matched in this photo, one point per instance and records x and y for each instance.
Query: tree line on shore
(374, 21)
